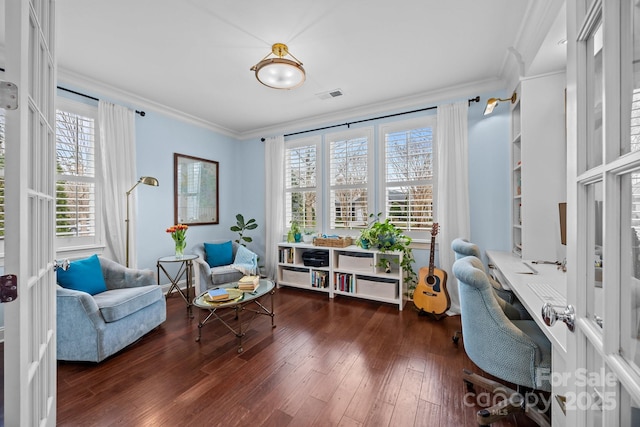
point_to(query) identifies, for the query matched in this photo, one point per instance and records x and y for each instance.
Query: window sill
(75, 252)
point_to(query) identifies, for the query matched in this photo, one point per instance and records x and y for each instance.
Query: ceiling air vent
(330, 94)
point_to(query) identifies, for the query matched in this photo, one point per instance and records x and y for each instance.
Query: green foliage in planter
(385, 236)
(295, 227)
(242, 226)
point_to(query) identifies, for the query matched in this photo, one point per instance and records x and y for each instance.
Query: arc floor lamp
(147, 180)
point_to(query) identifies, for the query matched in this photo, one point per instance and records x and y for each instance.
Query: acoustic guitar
(430, 295)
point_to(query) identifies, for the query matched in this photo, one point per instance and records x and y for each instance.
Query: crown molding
(66, 77)
(409, 102)
(539, 18)
(419, 100)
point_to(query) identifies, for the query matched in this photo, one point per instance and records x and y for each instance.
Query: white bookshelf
(352, 272)
(538, 155)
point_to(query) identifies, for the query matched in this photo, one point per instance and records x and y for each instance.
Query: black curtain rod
(142, 113)
(348, 124)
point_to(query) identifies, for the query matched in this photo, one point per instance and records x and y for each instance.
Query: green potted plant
(388, 238)
(365, 239)
(295, 232)
(242, 226)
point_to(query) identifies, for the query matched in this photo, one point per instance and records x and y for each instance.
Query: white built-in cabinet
(351, 271)
(538, 155)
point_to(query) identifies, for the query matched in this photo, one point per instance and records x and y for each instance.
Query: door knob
(564, 314)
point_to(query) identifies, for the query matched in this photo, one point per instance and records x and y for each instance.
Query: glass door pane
(630, 266)
(594, 98)
(629, 410)
(631, 70)
(592, 399)
(595, 218)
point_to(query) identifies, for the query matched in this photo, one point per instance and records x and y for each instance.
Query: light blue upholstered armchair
(516, 351)
(208, 277)
(507, 300)
(91, 328)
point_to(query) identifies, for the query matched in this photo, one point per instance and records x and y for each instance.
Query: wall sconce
(147, 180)
(492, 102)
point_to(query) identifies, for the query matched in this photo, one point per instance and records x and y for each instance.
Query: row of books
(286, 255)
(345, 282)
(319, 279)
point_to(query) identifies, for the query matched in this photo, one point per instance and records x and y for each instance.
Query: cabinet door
(543, 169)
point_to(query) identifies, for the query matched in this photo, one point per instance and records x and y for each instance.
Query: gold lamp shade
(493, 102)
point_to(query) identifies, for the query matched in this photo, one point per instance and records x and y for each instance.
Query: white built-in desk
(517, 274)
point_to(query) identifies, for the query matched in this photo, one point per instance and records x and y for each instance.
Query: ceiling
(192, 57)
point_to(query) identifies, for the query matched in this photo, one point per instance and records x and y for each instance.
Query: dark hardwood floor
(343, 362)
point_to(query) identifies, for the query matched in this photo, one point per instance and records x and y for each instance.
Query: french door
(30, 320)
(603, 196)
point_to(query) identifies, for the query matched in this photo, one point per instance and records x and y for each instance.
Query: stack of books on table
(249, 283)
(217, 294)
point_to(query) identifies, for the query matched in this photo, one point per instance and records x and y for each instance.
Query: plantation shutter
(301, 185)
(409, 177)
(76, 175)
(349, 181)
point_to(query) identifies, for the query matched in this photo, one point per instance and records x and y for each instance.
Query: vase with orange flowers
(179, 235)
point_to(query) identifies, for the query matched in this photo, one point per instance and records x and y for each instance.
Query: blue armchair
(511, 306)
(516, 351)
(93, 327)
(208, 277)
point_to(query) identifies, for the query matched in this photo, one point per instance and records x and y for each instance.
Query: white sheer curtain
(452, 188)
(118, 152)
(274, 199)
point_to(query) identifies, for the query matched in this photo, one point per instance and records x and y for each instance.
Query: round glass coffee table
(240, 301)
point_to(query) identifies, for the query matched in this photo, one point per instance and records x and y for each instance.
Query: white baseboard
(182, 284)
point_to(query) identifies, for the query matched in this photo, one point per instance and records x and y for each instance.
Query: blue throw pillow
(83, 275)
(219, 253)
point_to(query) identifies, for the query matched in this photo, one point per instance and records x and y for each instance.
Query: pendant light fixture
(280, 73)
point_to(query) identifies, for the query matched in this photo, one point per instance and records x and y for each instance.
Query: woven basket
(335, 242)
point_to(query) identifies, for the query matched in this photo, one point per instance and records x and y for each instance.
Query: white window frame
(366, 132)
(400, 126)
(308, 141)
(84, 245)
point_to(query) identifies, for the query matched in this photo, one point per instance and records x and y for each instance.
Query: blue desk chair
(507, 300)
(512, 350)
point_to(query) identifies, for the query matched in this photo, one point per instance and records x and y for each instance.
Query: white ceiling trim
(411, 102)
(97, 88)
(85, 83)
(539, 18)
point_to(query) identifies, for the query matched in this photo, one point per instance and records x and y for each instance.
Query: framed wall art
(195, 183)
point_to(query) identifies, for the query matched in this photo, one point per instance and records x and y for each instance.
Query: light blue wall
(158, 137)
(489, 176)
(489, 172)
(242, 180)
(242, 173)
